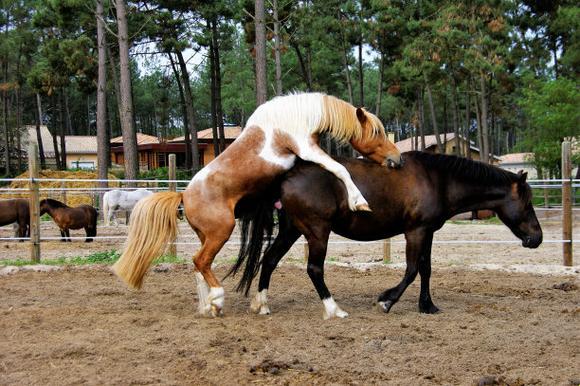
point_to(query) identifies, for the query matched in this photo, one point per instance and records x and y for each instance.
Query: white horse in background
(121, 199)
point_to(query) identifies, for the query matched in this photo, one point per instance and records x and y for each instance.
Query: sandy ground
(81, 326)
(500, 323)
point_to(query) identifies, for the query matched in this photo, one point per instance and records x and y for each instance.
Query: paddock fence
(556, 201)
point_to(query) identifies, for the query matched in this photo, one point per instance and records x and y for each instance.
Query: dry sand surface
(81, 326)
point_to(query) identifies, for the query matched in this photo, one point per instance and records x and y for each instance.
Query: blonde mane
(313, 113)
(341, 122)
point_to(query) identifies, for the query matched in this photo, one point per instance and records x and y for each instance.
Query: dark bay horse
(84, 216)
(278, 133)
(415, 200)
(16, 211)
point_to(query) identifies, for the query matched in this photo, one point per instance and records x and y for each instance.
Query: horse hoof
(216, 311)
(432, 309)
(363, 208)
(386, 306)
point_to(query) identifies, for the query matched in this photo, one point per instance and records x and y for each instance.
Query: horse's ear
(360, 114)
(523, 176)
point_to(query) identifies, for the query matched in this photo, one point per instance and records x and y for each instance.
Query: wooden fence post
(34, 202)
(172, 188)
(172, 173)
(567, 203)
(387, 251)
(305, 251)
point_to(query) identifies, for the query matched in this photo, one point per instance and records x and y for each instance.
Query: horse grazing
(120, 199)
(84, 216)
(16, 211)
(415, 200)
(276, 134)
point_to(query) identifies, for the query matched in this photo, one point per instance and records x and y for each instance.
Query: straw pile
(72, 198)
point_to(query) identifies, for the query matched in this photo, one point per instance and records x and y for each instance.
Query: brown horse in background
(84, 216)
(16, 211)
(276, 134)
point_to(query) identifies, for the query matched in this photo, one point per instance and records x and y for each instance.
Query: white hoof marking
(332, 310)
(259, 304)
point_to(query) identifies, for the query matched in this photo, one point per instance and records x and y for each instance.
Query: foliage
(98, 258)
(553, 114)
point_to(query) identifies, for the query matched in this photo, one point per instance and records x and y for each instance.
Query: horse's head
(516, 211)
(44, 206)
(373, 143)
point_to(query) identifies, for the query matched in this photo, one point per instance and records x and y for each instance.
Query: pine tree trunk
(213, 101)
(261, 75)
(277, 53)
(479, 131)
(380, 85)
(346, 68)
(218, 87)
(195, 165)
(115, 76)
(7, 170)
(454, 109)
(467, 123)
(361, 73)
(303, 69)
(62, 123)
(421, 117)
(434, 119)
(38, 133)
(484, 124)
(103, 142)
(130, 150)
(186, 132)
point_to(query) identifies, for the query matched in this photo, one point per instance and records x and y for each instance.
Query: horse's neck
(467, 196)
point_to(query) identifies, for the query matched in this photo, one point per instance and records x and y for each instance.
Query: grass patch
(104, 258)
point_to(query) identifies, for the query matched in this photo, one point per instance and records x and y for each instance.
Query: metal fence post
(567, 203)
(34, 202)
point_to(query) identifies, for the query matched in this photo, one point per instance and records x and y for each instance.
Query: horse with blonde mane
(276, 133)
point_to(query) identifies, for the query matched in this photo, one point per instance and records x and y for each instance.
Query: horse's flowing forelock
(310, 113)
(341, 122)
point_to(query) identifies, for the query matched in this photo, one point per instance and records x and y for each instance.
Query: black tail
(257, 226)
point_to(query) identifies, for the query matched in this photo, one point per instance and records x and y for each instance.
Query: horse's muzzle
(532, 241)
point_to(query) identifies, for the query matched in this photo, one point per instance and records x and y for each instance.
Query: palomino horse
(16, 211)
(415, 200)
(84, 216)
(120, 199)
(277, 132)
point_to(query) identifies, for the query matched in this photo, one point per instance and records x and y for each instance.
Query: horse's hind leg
(317, 245)
(214, 225)
(287, 236)
(214, 300)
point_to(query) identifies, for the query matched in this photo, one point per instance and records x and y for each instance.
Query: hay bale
(73, 198)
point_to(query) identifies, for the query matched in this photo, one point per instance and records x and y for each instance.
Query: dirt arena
(80, 325)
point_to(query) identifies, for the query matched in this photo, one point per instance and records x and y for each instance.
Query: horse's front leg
(62, 235)
(418, 244)
(311, 152)
(67, 232)
(426, 305)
